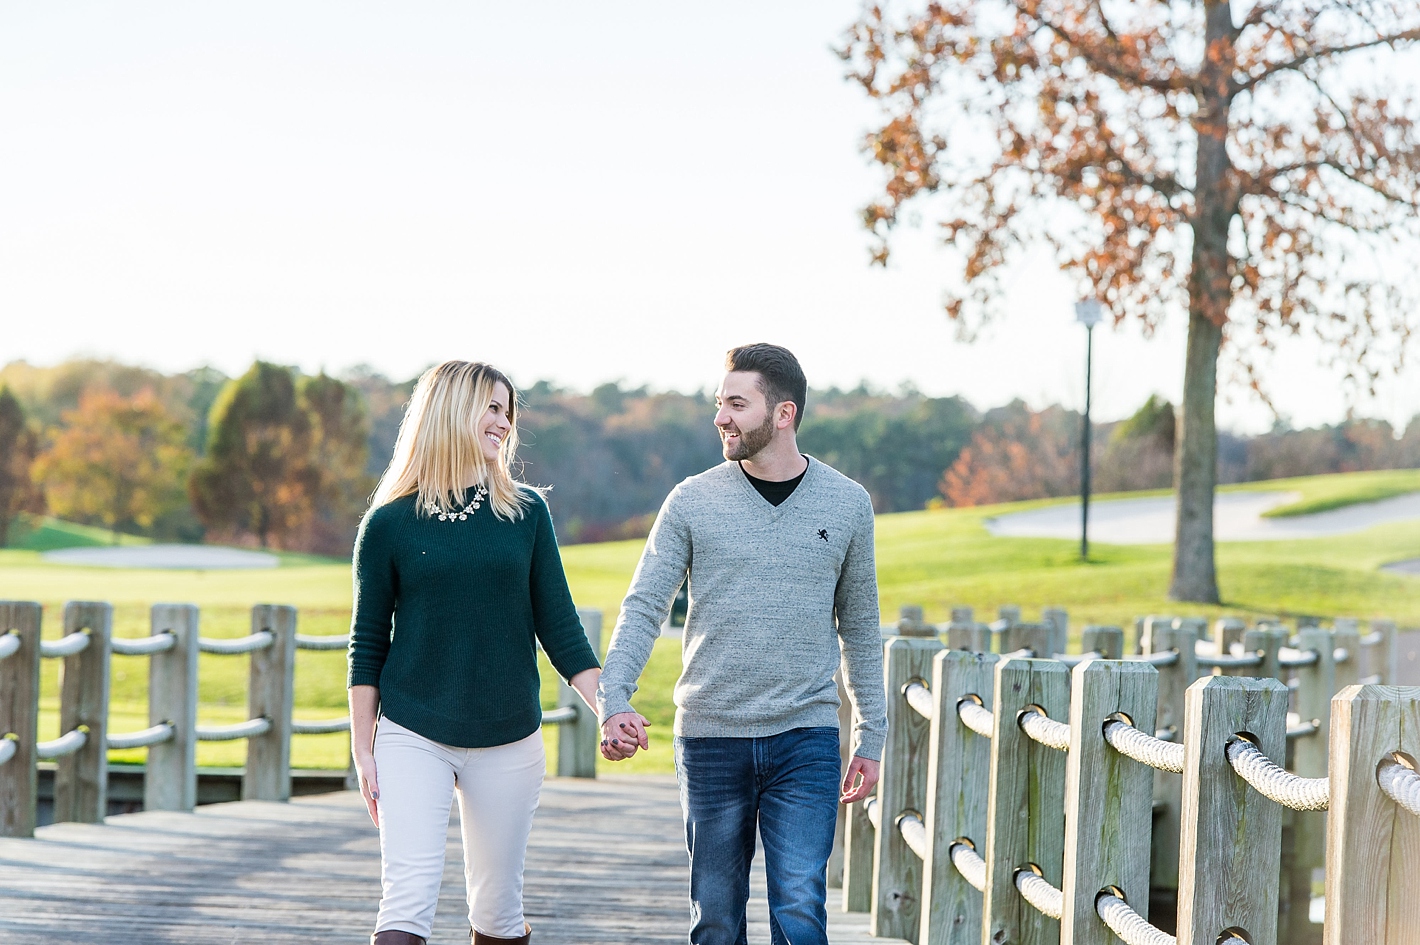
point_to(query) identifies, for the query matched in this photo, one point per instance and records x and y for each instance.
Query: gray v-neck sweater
(779, 596)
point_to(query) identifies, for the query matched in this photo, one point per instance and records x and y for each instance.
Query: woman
(457, 575)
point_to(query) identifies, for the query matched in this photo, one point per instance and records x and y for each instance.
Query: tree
(1016, 454)
(119, 461)
(340, 431)
(1250, 172)
(18, 445)
(257, 476)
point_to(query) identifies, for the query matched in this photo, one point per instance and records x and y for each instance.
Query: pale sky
(575, 191)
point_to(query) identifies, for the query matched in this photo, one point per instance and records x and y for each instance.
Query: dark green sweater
(446, 616)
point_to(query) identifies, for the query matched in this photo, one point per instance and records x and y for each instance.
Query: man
(778, 552)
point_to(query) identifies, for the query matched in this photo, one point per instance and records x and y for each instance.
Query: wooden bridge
(606, 864)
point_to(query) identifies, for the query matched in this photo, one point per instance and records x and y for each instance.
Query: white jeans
(498, 790)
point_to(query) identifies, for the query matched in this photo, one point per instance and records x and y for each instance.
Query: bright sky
(576, 191)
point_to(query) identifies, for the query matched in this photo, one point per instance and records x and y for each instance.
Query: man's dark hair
(780, 377)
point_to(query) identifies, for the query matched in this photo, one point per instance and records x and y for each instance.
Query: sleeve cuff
(362, 678)
(870, 746)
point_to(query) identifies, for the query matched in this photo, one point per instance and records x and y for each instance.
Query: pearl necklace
(479, 494)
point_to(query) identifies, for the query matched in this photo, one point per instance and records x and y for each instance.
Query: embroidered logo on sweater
(823, 533)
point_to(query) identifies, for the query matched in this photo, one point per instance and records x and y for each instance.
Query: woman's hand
(369, 782)
(364, 708)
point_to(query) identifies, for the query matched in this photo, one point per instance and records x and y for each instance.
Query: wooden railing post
(1371, 892)
(170, 780)
(1174, 680)
(19, 718)
(1230, 857)
(1345, 635)
(1268, 642)
(578, 741)
(1108, 797)
(902, 788)
(1387, 655)
(1039, 638)
(1227, 631)
(1108, 642)
(1059, 620)
(959, 779)
(1026, 810)
(1307, 850)
(270, 695)
(81, 778)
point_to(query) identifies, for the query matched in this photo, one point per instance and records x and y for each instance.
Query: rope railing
(65, 744)
(1275, 782)
(1289, 658)
(976, 717)
(321, 726)
(143, 646)
(1401, 784)
(1045, 730)
(1230, 661)
(568, 713)
(968, 863)
(920, 698)
(229, 733)
(1143, 747)
(914, 832)
(1374, 638)
(1038, 891)
(1157, 660)
(8, 746)
(1075, 659)
(336, 642)
(256, 641)
(1131, 927)
(65, 646)
(872, 810)
(1303, 729)
(152, 735)
(1341, 654)
(9, 644)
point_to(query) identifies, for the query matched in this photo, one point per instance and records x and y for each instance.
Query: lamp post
(1087, 313)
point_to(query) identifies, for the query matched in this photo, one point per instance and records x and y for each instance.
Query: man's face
(744, 418)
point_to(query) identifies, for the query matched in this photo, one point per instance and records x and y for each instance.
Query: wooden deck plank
(606, 865)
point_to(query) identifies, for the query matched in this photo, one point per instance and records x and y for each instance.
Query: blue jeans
(787, 784)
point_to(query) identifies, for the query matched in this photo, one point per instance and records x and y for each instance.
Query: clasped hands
(624, 734)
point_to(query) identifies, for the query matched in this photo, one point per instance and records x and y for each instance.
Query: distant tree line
(275, 458)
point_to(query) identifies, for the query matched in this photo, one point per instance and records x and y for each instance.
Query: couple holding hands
(458, 577)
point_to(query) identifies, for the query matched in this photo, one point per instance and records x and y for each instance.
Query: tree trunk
(1209, 296)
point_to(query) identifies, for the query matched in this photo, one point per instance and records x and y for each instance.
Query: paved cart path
(606, 865)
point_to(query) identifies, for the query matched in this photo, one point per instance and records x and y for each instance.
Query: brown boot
(478, 938)
(396, 937)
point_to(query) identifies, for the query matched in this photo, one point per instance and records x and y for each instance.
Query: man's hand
(623, 734)
(860, 780)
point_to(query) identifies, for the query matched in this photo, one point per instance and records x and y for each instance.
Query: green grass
(937, 559)
(46, 533)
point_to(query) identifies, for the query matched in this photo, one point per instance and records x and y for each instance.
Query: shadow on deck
(606, 865)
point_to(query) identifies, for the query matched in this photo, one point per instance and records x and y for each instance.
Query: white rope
(143, 646)
(9, 644)
(152, 735)
(1035, 890)
(568, 713)
(1229, 661)
(1047, 731)
(969, 864)
(914, 834)
(1289, 658)
(227, 733)
(1276, 782)
(1401, 785)
(322, 727)
(1374, 638)
(1129, 925)
(975, 717)
(65, 646)
(8, 747)
(1303, 729)
(65, 744)
(1372, 680)
(920, 698)
(1341, 654)
(257, 641)
(1159, 660)
(322, 643)
(1144, 748)
(870, 807)
(1075, 659)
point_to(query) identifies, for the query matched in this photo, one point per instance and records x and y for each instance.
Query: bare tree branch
(1324, 52)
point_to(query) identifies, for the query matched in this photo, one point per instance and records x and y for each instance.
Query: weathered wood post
(1229, 868)
(1108, 642)
(1227, 631)
(1026, 810)
(902, 789)
(1267, 642)
(1108, 797)
(1180, 636)
(959, 780)
(1346, 637)
(578, 741)
(1059, 619)
(81, 777)
(1315, 684)
(912, 622)
(19, 716)
(270, 694)
(1387, 656)
(1372, 845)
(1038, 638)
(170, 779)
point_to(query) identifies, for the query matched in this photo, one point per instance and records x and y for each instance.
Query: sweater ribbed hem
(701, 726)
(456, 732)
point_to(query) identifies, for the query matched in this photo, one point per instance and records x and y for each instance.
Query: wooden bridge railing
(80, 752)
(1018, 795)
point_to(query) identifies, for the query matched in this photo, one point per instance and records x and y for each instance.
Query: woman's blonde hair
(439, 451)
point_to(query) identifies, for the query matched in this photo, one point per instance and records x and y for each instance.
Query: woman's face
(494, 426)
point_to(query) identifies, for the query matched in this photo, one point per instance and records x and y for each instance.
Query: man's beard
(751, 441)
